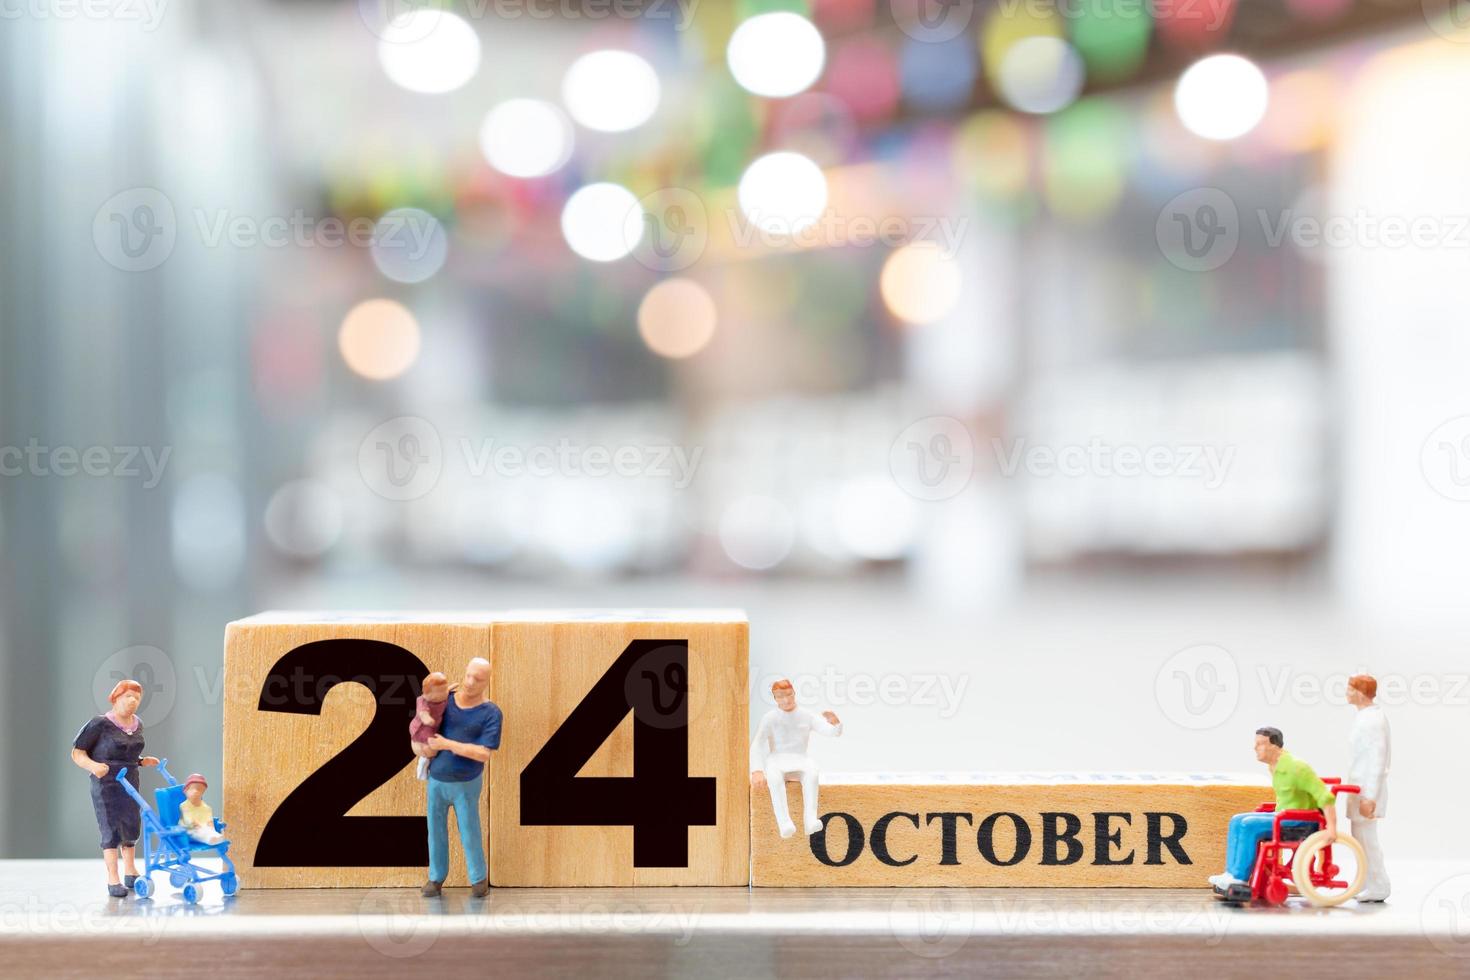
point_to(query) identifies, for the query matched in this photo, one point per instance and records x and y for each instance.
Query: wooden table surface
(56, 920)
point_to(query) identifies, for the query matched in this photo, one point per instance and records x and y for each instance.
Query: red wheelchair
(1299, 859)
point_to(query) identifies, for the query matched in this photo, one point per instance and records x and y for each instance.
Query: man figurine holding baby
(453, 732)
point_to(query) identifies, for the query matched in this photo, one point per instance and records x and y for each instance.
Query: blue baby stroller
(167, 846)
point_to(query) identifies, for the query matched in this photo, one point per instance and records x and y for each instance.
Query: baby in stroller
(195, 816)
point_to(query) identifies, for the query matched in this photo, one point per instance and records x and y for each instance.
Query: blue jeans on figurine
(464, 797)
(1247, 830)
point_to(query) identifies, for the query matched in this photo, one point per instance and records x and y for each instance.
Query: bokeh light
(864, 75)
(409, 245)
(875, 519)
(1040, 75)
(783, 192)
(602, 222)
(429, 50)
(1112, 40)
(1302, 114)
(526, 138)
(1008, 24)
(379, 339)
(992, 154)
(776, 54)
(1221, 97)
(611, 91)
(208, 531)
(1087, 153)
(920, 284)
(1194, 26)
(677, 318)
(304, 518)
(757, 532)
(938, 76)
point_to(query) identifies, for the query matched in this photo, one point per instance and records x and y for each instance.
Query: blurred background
(1067, 385)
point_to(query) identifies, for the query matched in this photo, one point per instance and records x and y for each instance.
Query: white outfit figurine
(1368, 769)
(779, 752)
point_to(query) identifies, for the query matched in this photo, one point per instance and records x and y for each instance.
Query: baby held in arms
(427, 715)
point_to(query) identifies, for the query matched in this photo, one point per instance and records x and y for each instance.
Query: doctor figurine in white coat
(779, 753)
(1368, 745)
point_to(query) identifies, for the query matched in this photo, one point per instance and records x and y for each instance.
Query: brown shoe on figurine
(432, 888)
(480, 888)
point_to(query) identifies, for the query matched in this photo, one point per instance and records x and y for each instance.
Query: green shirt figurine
(1297, 786)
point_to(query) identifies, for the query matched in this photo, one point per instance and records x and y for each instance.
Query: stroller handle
(138, 797)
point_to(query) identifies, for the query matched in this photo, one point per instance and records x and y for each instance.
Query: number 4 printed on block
(660, 800)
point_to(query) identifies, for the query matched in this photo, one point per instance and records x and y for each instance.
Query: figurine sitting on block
(779, 752)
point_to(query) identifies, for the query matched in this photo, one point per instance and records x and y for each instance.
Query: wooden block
(993, 830)
(293, 729)
(319, 790)
(545, 670)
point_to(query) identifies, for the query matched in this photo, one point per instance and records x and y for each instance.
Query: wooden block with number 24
(622, 758)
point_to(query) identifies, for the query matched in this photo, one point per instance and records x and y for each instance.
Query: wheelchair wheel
(1309, 854)
(143, 887)
(191, 893)
(229, 883)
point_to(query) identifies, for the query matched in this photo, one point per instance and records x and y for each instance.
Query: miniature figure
(427, 716)
(779, 752)
(1297, 787)
(106, 745)
(195, 816)
(169, 841)
(468, 733)
(1368, 745)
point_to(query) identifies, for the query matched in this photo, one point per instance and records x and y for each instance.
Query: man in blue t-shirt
(457, 756)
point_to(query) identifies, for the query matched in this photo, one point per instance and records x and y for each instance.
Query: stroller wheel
(177, 879)
(229, 883)
(191, 893)
(143, 887)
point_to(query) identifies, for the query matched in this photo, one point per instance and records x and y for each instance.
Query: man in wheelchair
(1297, 787)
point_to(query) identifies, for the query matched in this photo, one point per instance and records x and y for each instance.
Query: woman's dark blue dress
(118, 819)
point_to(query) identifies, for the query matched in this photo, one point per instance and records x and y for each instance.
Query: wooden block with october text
(1062, 830)
(623, 725)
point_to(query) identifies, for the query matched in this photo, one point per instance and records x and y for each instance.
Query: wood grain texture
(268, 754)
(544, 670)
(1204, 807)
(542, 665)
(58, 922)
